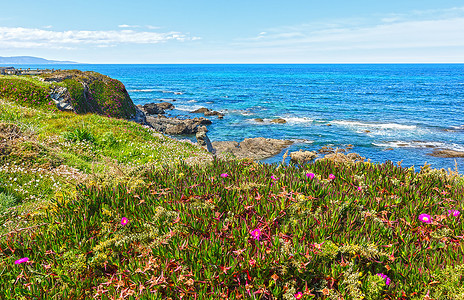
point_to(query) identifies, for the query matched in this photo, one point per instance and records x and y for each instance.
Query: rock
(214, 113)
(342, 158)
(165, 105)
(61, 97)
(203, 139)
(139, 116)
(279, 121)
(200, 111)
(175, 126)
(254, 148)
(301, 157)
(259, 120)
(153, 109)
(446, 153)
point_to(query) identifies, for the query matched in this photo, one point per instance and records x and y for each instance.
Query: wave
(420, 144)
(142, 90)
(393, 126)
(188, 108)
(298, 120)
(301, 141)
(172, 92)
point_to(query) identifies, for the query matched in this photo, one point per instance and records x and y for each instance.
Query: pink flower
(331, 176)
(360, 188)
(124, 221)
(273, 177)
(252, 262)
(425, 218)
(224, 175)
(20, 261)
(310, 175)
(387, 279)
(299, 295)
(256, 234)
(454, 212)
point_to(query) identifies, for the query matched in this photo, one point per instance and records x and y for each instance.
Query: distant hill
(30, 60)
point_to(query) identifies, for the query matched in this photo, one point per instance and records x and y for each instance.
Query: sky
(235, 31)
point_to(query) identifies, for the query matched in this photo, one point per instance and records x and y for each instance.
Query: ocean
(396, 112)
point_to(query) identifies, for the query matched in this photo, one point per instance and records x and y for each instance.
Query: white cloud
(19, 37)
(128, 26)
(392, 32)
(152, 27)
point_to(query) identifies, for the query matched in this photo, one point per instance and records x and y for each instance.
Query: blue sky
(217, 31)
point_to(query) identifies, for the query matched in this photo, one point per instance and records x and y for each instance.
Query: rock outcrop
(254, 148)
(203, 139)
(90, 92)
(302, 157)
(61, 97)
(176, 126)
(208, 112)
(446, 153)
(279, 121)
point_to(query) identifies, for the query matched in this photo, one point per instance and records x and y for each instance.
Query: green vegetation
(104, 208)
(88, 92)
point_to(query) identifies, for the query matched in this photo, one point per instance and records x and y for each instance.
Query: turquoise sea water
(409, 108)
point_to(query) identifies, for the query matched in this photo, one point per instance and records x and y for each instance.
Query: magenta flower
(20, 261)
(311, 175)
(224, 175)
(331, 176)
(256, 234)
(299, 295)
(454, 212)
(273, 177)
(124, 221)
(360, 188)
(425, 218)
(387, 279)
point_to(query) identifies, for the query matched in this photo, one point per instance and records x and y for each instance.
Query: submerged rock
(208, 112)
(279, 121)
(254, 148)
(446, 153)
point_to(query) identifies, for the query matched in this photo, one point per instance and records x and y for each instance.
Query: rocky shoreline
(155, 116)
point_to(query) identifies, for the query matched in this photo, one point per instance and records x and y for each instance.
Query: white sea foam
(301, 141)
(419, 144)
(172, 92)
(192, 101)
(188, 108)
(393, 126)
(298, 120)
(142, 90)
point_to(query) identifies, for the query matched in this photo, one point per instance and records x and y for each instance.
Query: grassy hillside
(88, 92)
(101, 208)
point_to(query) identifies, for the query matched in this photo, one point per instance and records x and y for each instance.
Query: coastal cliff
(72, 90)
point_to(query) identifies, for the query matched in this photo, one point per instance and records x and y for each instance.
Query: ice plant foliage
(124, 221)
(22, 260)
(425, 218)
